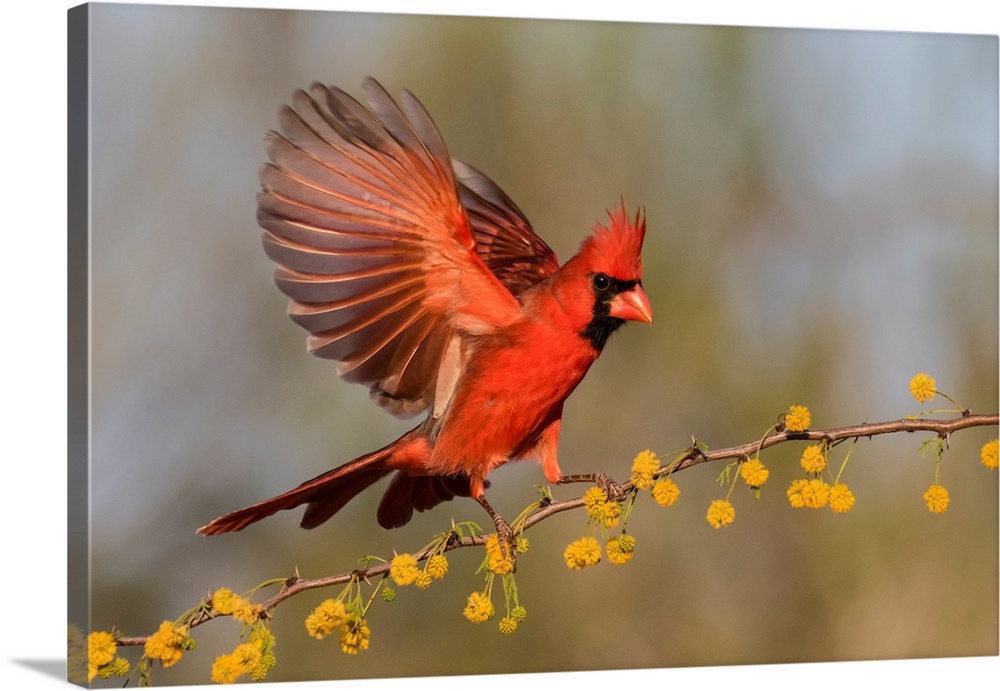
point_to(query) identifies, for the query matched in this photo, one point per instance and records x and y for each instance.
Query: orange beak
(632, 305)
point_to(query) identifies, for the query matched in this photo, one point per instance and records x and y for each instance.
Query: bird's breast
(512, 388)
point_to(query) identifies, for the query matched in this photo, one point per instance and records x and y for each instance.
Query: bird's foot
(505, 536)
(612, 490)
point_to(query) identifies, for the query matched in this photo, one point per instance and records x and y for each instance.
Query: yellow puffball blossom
(841, 498)
(507, 626)
(166, 645)
(936, 497)
(326, 619)
(500, 560)
(644, 467)
(101, 648)
(246, 659)
(797, 419)
(794, 493)
(225, 601)
(423, 580)
(594, 500)
(403, 569)
(753, 472)
(620, 550)
(437, 566)
(226, 670)
(354, 635)
(478, 608)
(582, 553)
(922, 387)
(988, 454)
(813, 459)
(605, 512)
(720, 513)
(665, 491)
(611, 513)
(815, 494)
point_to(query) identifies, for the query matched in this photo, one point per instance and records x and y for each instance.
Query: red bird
(426, 282)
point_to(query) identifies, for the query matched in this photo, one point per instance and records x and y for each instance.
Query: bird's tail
(325, 494)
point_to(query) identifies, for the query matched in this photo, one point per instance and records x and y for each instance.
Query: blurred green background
(822, 212)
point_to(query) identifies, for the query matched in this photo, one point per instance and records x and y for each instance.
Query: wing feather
(386, 247)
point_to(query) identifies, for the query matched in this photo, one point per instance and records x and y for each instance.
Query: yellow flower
(815, 494)
(644, 467)
(478, 608)
(508, 626)
(423, 580)
(245, 659)
(605, 512)
(936, 497)
(247, 655)
(521, 544)
(665, 491)
(437, 566)
(518, 614)
(794, 493)
(225, 601)
(582, 553)
(611, 514)
(813, 459)
(619, 549)
(922, 387)
(354, 635)
(754, 473)
(989, 454)
(720, 513)
(101, 648)
(326, 618)
(500, 559)
(841, 498)
(594, 500)
(797, 418)
(403, 569)
(166, 645)
(226, 669)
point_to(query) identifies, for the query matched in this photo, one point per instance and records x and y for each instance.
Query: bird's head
(609, 265)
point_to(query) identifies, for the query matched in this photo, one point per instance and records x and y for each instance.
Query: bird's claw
(505, 538)
(612, 490)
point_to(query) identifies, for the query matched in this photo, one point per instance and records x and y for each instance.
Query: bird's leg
(611, 488)
(505, 536)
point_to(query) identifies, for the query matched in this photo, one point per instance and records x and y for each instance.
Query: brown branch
(692, 457)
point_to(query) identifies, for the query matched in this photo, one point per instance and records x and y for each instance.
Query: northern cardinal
(427, 283)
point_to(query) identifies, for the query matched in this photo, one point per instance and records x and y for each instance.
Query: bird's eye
(601, 282)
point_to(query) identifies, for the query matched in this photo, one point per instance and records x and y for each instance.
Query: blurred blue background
(822, 211)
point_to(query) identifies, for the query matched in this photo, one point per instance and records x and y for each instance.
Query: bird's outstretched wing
(387, 256)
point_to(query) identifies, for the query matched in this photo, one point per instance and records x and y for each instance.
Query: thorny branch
(692, 457)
